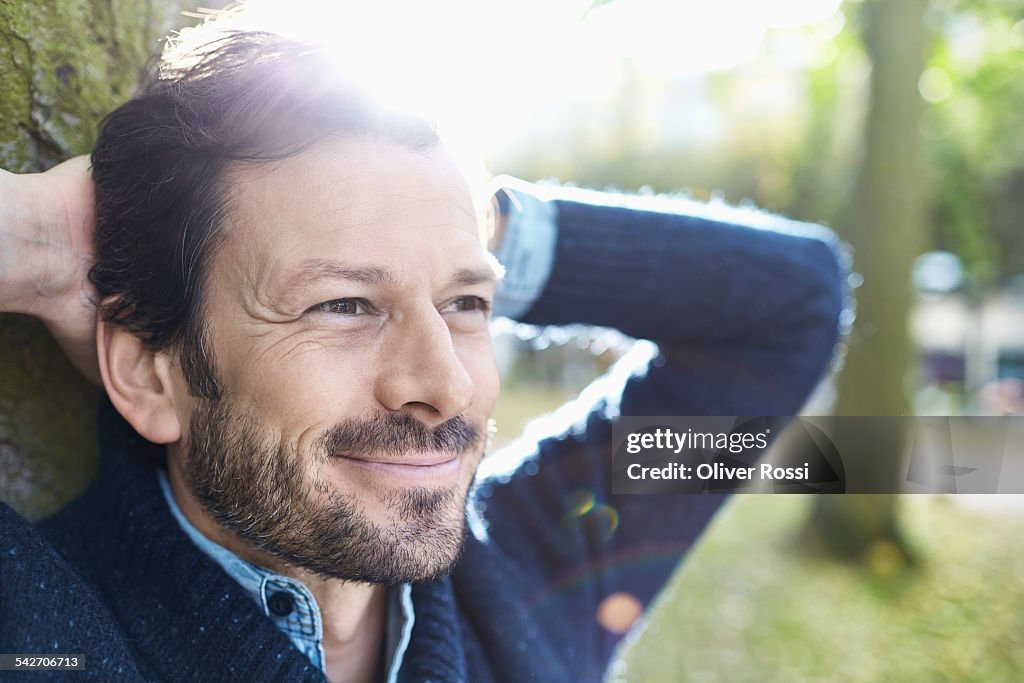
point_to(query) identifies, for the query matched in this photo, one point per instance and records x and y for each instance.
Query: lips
(425, 469)
(419, 460)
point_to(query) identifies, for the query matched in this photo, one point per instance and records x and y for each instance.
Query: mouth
(419, 466)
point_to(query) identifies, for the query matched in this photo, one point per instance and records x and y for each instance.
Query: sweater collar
(186, 616)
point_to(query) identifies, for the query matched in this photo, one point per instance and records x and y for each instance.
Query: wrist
(21, 254)
(36, 269)
(524, 243)
(501, 208)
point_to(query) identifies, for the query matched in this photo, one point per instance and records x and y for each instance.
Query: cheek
(308, 390)
(480, 363)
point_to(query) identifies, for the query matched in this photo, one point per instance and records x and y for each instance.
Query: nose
(421, 373)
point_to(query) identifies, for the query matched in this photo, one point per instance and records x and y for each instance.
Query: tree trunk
(63, 65)
(887, 229)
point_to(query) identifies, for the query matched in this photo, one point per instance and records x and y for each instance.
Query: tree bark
(886, 226)
(63, 65)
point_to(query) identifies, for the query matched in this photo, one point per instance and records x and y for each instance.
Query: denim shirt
(527, 248)
(290, 605)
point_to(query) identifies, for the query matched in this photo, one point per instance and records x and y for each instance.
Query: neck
(352, 613)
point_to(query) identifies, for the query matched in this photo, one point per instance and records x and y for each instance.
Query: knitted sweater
(745, 320)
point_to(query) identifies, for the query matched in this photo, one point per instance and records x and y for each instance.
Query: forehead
(354, 202)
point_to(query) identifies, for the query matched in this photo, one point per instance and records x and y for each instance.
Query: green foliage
(974, 138)
(802, 160)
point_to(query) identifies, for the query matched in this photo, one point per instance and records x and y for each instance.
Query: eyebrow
(468, 277)
(320, 269)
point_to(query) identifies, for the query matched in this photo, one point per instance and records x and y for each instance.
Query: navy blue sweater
(745, 320)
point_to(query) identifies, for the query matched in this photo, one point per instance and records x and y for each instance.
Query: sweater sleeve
(745, 305)
(47, 609)
(744, 310)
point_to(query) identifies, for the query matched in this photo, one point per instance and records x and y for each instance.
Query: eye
(469, 303)
(341, 307)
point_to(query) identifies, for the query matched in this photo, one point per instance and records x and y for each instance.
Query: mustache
(397, 435)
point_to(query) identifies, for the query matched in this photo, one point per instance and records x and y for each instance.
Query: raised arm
(745, 309)
(745, 304)
(46, 226)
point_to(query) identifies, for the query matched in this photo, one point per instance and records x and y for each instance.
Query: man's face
(347, 315)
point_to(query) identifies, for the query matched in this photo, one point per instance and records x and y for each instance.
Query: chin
(403, 535)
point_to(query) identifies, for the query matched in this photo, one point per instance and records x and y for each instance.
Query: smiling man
(351, 375)
(293, 335)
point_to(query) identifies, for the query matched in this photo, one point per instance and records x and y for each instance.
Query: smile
(424, 466)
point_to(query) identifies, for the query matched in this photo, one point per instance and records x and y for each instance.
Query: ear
(138, 382)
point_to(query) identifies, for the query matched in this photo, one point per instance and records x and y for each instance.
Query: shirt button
(280, 604)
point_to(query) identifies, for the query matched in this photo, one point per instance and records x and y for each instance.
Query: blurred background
(898, 123)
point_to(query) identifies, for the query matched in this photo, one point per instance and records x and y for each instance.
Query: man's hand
(46, 249)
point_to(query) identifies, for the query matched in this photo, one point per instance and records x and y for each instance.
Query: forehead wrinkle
(464, 207)
(320, 269)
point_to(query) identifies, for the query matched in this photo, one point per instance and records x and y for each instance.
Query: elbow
(829, 307)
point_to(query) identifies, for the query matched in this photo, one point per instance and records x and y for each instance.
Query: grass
(749, 605)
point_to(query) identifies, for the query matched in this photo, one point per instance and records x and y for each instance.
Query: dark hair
(160, 164)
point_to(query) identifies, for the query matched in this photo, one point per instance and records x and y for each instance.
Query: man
(293, 337)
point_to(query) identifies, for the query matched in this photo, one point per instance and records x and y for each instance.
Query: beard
(260, 490)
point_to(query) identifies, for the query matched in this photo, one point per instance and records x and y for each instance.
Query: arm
(743, 303)
(745, 319)
(46, 225)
